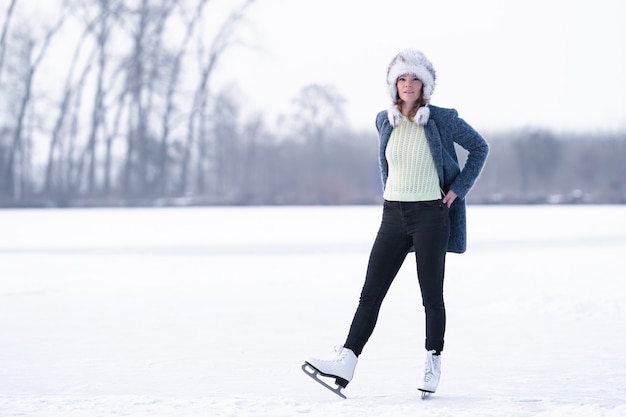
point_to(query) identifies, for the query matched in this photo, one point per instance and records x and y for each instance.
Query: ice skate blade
(425, 394)
(315, 374)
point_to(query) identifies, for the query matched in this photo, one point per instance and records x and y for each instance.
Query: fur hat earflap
(395, 116)
(414, 62)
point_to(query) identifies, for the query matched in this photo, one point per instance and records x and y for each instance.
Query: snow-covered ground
(211, 312)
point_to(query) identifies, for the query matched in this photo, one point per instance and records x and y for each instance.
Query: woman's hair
(421, 102)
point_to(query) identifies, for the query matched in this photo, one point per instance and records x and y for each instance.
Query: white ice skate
(339, 365)
(432, 373)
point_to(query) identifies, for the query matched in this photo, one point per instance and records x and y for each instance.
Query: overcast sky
(558, 64)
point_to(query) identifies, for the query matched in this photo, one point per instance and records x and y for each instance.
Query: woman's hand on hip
(449, 198)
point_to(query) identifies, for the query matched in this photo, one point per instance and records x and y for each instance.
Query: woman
(424, 211)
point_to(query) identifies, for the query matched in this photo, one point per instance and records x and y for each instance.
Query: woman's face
(409, 88)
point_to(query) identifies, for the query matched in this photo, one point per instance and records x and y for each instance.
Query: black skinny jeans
(424, 225)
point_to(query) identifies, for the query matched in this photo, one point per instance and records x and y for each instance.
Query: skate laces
(429, 369)
(428, 374)
(336, 354)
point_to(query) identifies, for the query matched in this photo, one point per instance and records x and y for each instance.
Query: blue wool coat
(443, 130)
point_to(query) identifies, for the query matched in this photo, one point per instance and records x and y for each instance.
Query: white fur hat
(414, 62)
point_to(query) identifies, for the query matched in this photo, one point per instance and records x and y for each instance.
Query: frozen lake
(211, 312)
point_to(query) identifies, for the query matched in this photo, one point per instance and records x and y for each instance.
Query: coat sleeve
(477, 148)
(384, 130)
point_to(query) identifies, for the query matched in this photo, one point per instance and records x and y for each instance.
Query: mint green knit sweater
(412, 172)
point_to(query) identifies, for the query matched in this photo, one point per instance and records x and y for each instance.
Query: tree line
(132, 118)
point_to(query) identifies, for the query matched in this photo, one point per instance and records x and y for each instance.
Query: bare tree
(146, 30)
(318, 117)
(101, 32)
(616, 177)
(196, 124)
(318, 111)
(5, 131)
(55, 183)
(172, 85)
(5, 30)
(219, 170)
(33, 54)
(539, 154)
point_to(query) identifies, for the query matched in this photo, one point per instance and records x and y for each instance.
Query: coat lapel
(434, 141)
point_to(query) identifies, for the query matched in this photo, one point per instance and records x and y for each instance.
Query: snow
(211, 312)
